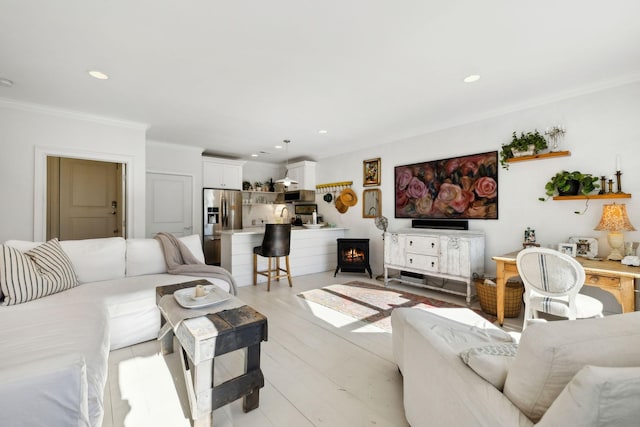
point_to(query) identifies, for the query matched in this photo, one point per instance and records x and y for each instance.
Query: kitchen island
(312, 251)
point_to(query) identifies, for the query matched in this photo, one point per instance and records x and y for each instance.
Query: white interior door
(169, 204)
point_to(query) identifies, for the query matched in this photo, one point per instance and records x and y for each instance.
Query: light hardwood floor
(321, 368)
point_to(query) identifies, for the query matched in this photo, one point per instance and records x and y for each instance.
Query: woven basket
(487, 295)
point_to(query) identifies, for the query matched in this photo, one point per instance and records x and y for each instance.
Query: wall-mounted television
(463, 187)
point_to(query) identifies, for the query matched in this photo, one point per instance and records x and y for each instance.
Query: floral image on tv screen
(461, 187)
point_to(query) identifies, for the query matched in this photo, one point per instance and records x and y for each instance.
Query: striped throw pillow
(42, 271)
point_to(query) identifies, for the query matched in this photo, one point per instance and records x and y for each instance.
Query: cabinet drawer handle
(433, 245)
(433, 264)
(594, 279)
(410, 260)
(410, 242)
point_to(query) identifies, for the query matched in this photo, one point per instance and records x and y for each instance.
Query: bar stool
(275, 244)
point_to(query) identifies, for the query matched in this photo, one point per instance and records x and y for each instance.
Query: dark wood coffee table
(202, 339)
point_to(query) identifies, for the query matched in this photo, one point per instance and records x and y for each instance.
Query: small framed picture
(371, 203)
(371, 172)
(586, 246)
(567, 249)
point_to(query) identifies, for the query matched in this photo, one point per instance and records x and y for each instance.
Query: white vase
(530, 152)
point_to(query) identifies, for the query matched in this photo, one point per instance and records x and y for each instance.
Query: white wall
(25, 128)
(599, 126)
(176, 159)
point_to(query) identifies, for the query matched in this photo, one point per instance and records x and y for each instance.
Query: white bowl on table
(313, 226)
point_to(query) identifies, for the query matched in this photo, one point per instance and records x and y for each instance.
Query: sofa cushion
(597, 397)
(491, 362)
(551, 353)
(97, 259)
(194, 244)
(93, 259)
(41, 271)
(37, 337)
(145, 256)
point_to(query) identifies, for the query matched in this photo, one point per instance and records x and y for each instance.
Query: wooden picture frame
(371, 203)
(371, 172)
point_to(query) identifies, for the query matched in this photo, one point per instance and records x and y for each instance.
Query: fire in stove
(354, 255)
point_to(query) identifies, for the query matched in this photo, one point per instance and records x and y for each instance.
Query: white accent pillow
(491, 362)
(96, 260)
(41, 271)
(551, 353)
(144, 256)
(194, 244)
(597, 397)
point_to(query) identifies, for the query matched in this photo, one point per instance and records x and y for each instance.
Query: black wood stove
(353, 256)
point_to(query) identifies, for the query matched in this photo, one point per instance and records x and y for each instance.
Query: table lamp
(615, 221)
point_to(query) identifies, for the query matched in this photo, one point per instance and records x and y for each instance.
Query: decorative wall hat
(340, 206)
(349, 197)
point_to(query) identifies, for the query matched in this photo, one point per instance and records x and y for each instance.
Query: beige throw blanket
(180, 260)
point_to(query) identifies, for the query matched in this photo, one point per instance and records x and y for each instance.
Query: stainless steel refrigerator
(222, 210)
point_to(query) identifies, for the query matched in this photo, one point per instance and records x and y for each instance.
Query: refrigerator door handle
(225, 218)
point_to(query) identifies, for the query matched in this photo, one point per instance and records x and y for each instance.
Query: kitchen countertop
(260, 230)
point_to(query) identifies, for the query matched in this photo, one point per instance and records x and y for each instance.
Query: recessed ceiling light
(279, 147)
(472, 78)
(98, 74)
(322, 131)
(254, 155)
(5, 82)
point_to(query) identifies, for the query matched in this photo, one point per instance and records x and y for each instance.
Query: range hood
(296, 196)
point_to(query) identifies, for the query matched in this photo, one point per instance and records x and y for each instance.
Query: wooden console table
(610, 276)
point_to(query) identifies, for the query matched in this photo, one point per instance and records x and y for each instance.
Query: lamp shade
(286, 181)
(614, 218)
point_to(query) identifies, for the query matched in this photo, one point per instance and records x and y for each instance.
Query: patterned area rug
(372, 303)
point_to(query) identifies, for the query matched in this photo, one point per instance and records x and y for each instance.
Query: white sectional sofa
(460, 370)
(54, 350)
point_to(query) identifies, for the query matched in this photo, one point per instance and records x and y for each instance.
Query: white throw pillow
(491, 362)
(551, 353)
(144, 256)
(194, 244)
(596, 397)
(41, 271)
(96, 260)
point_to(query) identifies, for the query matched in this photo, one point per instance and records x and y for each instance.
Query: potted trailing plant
(570, 184)
(526, 144)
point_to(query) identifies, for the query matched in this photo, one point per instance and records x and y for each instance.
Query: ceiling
(238, 77)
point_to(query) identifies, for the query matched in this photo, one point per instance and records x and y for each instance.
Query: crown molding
(69, 114)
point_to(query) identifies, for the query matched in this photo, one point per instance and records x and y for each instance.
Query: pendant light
(286, 181)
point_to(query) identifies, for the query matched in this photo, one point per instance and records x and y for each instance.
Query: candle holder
(555, 133)
(603, 184)
(610, 186)
(619, 178)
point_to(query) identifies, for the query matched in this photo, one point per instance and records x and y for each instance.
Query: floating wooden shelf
(595, 196)
(539, 156)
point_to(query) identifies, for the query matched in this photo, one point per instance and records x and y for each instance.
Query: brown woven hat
(349, 197)
(340, 206)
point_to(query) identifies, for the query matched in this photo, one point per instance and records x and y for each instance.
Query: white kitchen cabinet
(448, 254)
(222, 173)
(305, 173)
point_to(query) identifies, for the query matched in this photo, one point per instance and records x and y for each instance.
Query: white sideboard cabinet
(448, 254)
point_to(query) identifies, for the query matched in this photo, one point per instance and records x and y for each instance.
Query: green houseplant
(525, 142)
(570, 183)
